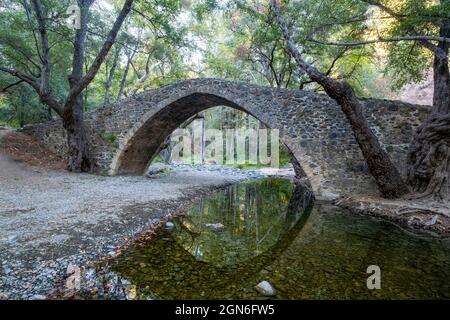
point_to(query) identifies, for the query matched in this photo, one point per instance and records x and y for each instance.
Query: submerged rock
(265, 288)
(215, 226)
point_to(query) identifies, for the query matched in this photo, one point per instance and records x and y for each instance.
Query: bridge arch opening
(148, 137)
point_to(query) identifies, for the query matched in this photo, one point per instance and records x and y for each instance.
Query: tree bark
(441, 97)
(441, 94)
(49, 114)
(429, 158)
(109, 79)
(123, 82)
(77, 141)
(141, 80)
(387, 177)
(73, 115)
(428, 163)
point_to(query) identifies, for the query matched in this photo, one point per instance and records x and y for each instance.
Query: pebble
(215, 226)
(13, 238)
(265, 288)
(169, 225)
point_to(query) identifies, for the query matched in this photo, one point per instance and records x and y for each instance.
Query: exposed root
(428, 165)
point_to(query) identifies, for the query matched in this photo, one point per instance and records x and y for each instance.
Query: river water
(273, 231)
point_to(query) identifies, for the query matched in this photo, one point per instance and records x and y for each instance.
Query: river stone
(215, 226)
(169, 225)
(265, 288)
(13, 238)
(156, 169)
(327, 196)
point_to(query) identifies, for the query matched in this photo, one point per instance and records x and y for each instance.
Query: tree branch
(5, 90)
(84, 82)
(27, 12)
(383, 8)
(45, 67)
(379, 40)
(46, 98)
(28, 79)
(312, 71)
(441, 54)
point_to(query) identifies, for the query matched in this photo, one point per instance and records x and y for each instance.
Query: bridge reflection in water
(273, 232)
(260, 220)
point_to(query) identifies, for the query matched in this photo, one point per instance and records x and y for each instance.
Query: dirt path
(50, 219)
(9, 168)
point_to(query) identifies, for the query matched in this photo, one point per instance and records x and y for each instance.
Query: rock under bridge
(127, 134)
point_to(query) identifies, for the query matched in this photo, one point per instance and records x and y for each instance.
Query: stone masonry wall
(125, 134)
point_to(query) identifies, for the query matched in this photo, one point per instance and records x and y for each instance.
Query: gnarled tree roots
(428, 162)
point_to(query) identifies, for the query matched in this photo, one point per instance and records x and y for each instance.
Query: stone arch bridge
(127, 134)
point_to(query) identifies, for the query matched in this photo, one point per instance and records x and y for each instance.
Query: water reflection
(248, 218)
(272, 233)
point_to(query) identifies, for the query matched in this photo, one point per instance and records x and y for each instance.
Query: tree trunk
(73, 115)
(124, 77)
(387, 177)
(429, 153)
(141, 80)
(441, 95)
(166, 152)
(130, 56)
(77, 141)
(109, 79)
(429, 158)
(428, 164)
(49, 114)
(201, 116)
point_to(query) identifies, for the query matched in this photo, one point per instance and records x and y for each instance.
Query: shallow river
(272, 231)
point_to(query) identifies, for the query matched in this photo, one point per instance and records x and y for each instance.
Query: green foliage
(244, 43)
(408, 61)
(223, 118)
(21, 107)
(112, 139)
(149, 31)
(230, 39)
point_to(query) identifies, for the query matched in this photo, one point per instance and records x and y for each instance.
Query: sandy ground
(51, 219)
